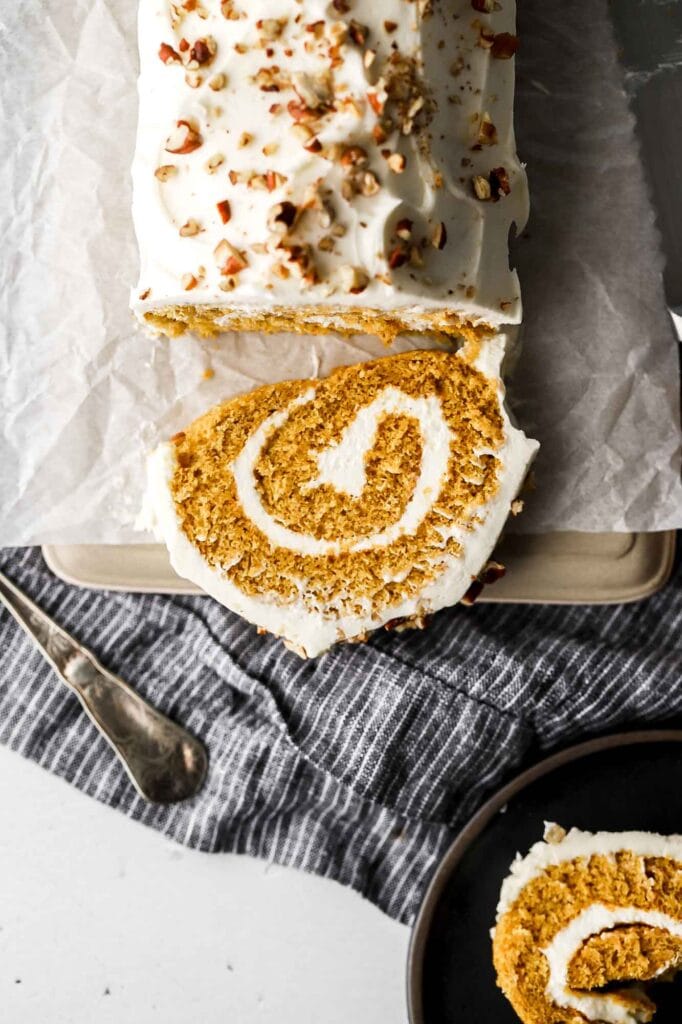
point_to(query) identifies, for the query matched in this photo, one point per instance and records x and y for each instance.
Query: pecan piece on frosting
(184, 139)
(202, 52)
(224, 210)
(492, 187)
(504, 46)
(165, 171)
(229, 260)
(168, 55)
(439, 237)
(353, 280)
(282, 217)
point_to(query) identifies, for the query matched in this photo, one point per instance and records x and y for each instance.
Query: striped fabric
(360, 766)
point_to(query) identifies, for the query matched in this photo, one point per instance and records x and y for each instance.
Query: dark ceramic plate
(630, 781)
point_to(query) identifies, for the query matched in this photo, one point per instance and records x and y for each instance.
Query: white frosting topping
(255, 159)
(598, 1006)
(576, 844)
(312, 631)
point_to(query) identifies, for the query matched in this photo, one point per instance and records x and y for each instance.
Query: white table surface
(104, 920)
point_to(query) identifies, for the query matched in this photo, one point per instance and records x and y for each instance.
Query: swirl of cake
(323, 509)
(585, 921)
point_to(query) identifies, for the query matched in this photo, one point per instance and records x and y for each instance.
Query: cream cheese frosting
(311, 630)
(305, 153)
(594, 920)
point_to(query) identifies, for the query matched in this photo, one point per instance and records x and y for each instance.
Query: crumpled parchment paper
(85, 394)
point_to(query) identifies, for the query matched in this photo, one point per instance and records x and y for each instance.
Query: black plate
(630, 781)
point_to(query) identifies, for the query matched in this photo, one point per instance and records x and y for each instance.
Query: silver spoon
(165, 762)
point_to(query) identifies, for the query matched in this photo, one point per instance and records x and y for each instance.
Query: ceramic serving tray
(552, 568)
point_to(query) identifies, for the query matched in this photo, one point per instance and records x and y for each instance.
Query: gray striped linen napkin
(360, 766)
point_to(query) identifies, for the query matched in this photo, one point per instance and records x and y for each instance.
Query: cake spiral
(322, 509)
(585, 921)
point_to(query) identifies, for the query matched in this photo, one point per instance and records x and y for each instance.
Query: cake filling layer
(595, 919)
(342, 467)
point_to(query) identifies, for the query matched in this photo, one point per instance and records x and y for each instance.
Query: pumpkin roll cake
(327, 165)
(321, 510)
(585, 921)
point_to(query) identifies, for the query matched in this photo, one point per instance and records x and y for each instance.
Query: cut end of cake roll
(321, 510)
(585, 921)
(326, 166)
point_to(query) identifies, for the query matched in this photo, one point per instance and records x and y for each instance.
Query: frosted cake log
(314, 166)
(584, 921)
(323, 509)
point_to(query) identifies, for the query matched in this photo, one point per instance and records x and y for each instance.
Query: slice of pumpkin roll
(321, 510)
(585, 921)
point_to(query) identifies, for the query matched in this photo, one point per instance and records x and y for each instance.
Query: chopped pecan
(353, 280)
(202, 52)
(493, 572)
(217, 82)
(504, 46)
(481, 186)
(315, 91)
(397, 257)
(229, 10)
(271, 28)
(229, 260)
(376, 103)
(439, 236)
(354, 156)
(190, 228)
(214, 162)
(487, 132)
(224, 210)
(403, 228)
(270, 79)
(369, 184)
(168, 55)
(499, 182)
(165, 171)
(358, 32)
(282, 217)
(300, 113)
(185, 139)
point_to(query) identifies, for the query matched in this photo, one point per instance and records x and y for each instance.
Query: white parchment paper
(84, 394)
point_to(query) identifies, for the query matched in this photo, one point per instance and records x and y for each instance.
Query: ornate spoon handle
(164, 761)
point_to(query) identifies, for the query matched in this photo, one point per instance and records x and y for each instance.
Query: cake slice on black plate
(584, 921)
